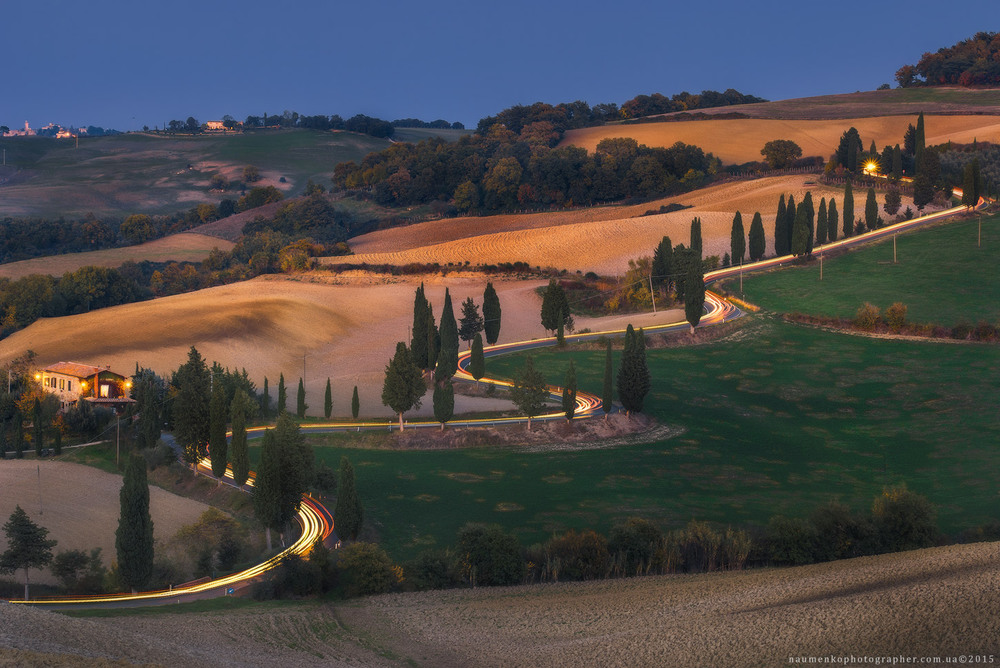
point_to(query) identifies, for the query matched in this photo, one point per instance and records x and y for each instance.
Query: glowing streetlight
(871, 167)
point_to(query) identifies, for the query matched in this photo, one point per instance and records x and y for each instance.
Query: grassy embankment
(778, 419)
(940, 274)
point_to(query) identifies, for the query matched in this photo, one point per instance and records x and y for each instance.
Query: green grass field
(778, 418)
(941, 276)
(134, 173)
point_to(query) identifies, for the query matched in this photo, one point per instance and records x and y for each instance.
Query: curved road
(317, 522)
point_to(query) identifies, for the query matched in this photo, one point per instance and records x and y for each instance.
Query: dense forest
(971, 62)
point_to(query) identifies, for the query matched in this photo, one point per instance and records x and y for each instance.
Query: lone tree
(737, 241)
(328, 401)
(444, 402)
(477, 359)
(355, 403)
(27, 546)
(300, 401)
(633, 376)
(404, 383)
(781, 153)
(218, 412)
(491, 314)
(348, 514)
(607, 398)
(447, 358)
(758, 243)
(242, 411)
(569, 393)
(134, 537)
(191, 406)
(529, 391)
(472, 322)
(694, 294)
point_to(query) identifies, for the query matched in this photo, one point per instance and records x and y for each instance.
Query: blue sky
(127, 64)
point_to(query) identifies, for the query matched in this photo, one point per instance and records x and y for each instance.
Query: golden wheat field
(940, 602)
(183, 247)
(602, 239)
(735, 141)
(79, 506)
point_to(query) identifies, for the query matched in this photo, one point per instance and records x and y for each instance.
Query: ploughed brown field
(79, 506)
(735, 141)
(600, 239)
(939, 602)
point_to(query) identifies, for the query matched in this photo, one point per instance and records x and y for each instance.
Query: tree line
(970, 62)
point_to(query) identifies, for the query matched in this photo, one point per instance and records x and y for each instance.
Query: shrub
(904, 520)
(961, 331)
(365, 569)
(867, 318)
(790, 541)
(700, 547)
(637, 547)
(895, 316)
(433, 569)
(579, 556)
(842, 533)
(985, 332)
(489, 556)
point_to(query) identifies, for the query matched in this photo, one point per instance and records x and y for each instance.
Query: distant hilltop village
(55, 130)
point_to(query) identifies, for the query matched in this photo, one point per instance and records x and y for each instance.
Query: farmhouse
(72, 381)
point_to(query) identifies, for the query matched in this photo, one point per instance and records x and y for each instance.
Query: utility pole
(894, 249)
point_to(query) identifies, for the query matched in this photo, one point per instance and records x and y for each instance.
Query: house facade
(72, 381)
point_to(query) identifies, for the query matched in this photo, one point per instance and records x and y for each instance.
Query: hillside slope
(735, 141)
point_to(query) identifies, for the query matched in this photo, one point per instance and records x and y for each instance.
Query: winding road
(316, 521)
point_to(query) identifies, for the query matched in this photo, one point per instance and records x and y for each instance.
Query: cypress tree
(267, 486)
(471, 322)
(696, 236)
(607, 397)
(18, 435)
(300, 401)
(282, 394)
(897, 163)
(569, 392)
(477, 361)
(662, 265)
(871, 211)
(810, 221)
(192, 421)
(265, 402)
(348, 514)
(241, 412)
(444, 402)
(491, 314)
(801, 234)
(218, 412)
(296, 465)
(694, 295)
(790, 211)
(848, 210)
(821, 224)
(433, 338)
(418, 341)
(36, 427)
(555, 307)
(447, 362)
(758, 244)
(134, 537)
(355, 403)
(779, 229)
(404, 383)
(328, 401)
(737, 241)
(919, 141)
(832, 219)
(633, 376)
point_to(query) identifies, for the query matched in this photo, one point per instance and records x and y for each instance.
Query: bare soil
(79, 506)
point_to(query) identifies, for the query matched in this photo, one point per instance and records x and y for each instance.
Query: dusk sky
(123, 65)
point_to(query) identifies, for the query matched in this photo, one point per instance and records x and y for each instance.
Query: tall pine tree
(832, 221)
(267, 486)
(241, 412)
(348, 515)
(871, 211)
(758, 243)
(444, 402)
(477, 360)
(848, 210)
(821, 224)
(418, 340)
(134, 537)
(328, 401)
(696, 236)
(282, 395)
(447, 361)
(633, 375)
(694, 294)
(300, 401)
(403, 386)
(737, 241)
(779, 229)
(218, 447)
(192, 399)
(355, 403)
